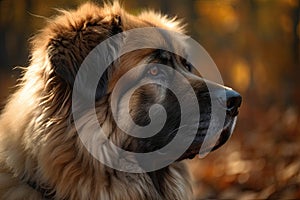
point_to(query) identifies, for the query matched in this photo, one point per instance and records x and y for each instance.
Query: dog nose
(233, 102)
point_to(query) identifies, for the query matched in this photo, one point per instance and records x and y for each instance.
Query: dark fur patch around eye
(164, 57)
(168, 58)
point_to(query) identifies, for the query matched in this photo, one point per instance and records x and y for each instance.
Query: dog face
(142, 98)
(66, 63)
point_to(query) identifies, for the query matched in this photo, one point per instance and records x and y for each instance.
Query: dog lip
(224, 137)
(195, 148)
(232, 112)
(225, 134)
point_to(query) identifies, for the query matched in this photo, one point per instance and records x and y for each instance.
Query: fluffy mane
(40, 151)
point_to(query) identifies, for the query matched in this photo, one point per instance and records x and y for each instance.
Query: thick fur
(41, 155)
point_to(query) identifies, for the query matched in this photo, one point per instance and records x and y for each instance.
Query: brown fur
(38, 141)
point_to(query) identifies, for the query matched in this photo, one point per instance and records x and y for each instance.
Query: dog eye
(153, 71)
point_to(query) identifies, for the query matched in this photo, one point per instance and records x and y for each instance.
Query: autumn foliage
(255, 45)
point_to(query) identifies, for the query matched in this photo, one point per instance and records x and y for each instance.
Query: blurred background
(255, 44)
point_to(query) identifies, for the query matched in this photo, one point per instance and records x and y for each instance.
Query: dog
(42, 155)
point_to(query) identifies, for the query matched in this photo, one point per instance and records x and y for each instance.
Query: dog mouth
(199, 148)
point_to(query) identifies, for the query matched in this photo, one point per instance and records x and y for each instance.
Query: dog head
(70, 39)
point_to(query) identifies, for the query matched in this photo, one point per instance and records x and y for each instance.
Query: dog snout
(227, 98)
(233, 102)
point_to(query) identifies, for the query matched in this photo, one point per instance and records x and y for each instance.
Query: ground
(262, 159)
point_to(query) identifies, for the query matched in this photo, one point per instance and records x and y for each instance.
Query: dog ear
(71, 45)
